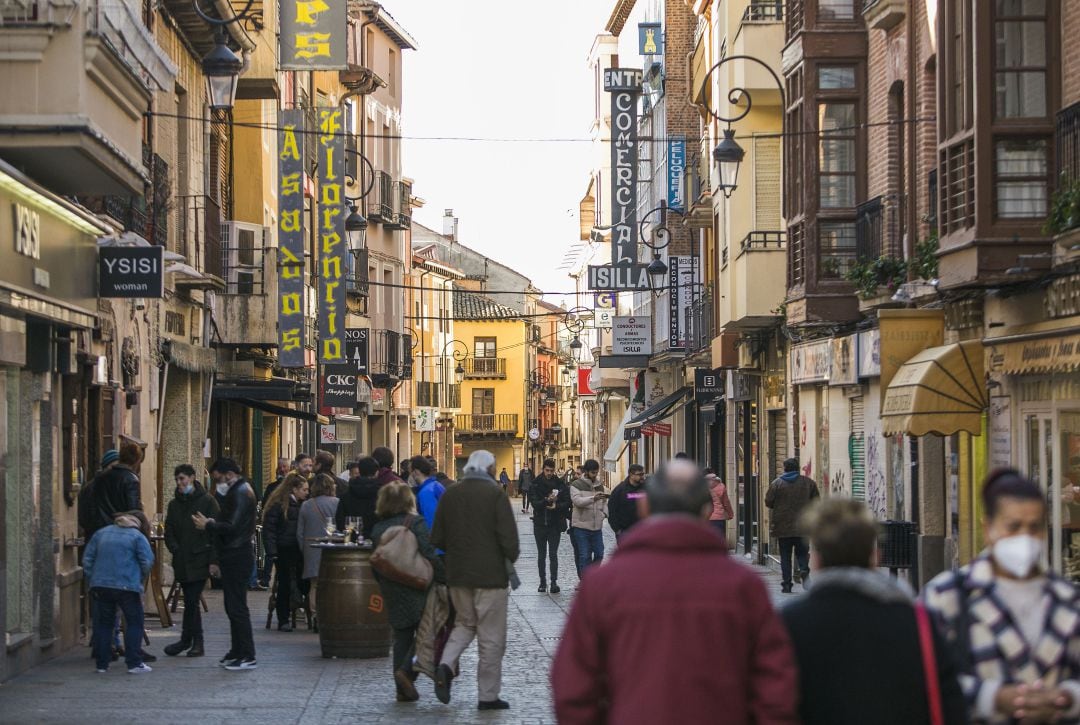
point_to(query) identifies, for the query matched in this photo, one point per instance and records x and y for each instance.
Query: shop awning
(614, 450)
(661, 409)
(940, 390)
(281, 410)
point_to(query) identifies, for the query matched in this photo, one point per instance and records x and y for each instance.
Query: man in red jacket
(671, 602)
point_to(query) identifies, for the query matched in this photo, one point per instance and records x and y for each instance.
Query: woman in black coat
(192, 552)
(279, 528)
(856, 636)
(359, 497)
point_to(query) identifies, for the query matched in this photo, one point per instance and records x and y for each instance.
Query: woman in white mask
(1014, 626)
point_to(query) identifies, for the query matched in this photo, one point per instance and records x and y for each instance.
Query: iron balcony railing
(427, 394)
(382, 208)
(879, 227)
(482, 423)
(757, 240)
(699, 321)
(764, 12)
(477, 368)
(1068, 142)
(453, 395)
(357, 278)
(200, 231)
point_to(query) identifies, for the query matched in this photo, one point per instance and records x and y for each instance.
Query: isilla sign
(619, 278)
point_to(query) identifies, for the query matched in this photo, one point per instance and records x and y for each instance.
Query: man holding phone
(550, 498)
(590, 509)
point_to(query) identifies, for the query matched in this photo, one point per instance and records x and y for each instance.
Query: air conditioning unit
(243, 245)
(747, 360)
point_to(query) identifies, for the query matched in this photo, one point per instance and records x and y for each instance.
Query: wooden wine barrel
(352, 614)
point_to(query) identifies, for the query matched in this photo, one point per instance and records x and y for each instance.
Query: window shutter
(767, 184)
(857, 451)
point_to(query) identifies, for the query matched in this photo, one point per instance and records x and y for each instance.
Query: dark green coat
(192, 550)
(405, 605)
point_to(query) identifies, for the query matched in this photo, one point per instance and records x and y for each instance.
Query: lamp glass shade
(728, 155)
(575, 347)
(459, 373)
(356, 229)
(222, 69)
(222, 91)
(656, 267)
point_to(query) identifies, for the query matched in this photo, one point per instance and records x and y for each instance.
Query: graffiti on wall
(876, 493)
(896, 459)
(838, 485)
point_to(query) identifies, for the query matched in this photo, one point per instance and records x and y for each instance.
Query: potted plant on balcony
(1063, 221)
(876, 280)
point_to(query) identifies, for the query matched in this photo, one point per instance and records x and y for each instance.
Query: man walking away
(709, 617)
(623, 504)
(788, 496)
(852, 615)
(233, 531)
(504, 481)
(524, 482)
(590, 510)
(550, 498)
(475, 526)
(115, 563)
(193, 554)
(385, 458)
(428, 488)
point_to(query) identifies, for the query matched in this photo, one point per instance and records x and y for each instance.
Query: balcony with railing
(428, 394)
(699, 184)
(1067, 143)
(486, 424)
(761, 35)
(879, 228)
(356, 280)
(699, 322)
(755, 282)
(485, 368)
(386, 364)
(383, 206)
(247, 311)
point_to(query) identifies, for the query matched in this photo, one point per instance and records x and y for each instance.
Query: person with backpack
(788, 496)
(395, 507)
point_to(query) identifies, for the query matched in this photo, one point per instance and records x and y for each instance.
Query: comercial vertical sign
(313, 34)
(290, 240)
(332, 247)
(624, 84)
(676, 188)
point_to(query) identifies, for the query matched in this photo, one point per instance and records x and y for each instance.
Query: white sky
(501, 69)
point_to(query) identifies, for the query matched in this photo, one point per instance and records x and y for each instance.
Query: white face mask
(1018, 555)
(222, 488)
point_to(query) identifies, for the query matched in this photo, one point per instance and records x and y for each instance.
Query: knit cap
(111, 456)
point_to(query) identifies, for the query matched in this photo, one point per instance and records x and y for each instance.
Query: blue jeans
(590, 547)
(801, 549)
(106, 602)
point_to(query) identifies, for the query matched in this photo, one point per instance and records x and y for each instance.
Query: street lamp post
(221, 66)
(660, 239)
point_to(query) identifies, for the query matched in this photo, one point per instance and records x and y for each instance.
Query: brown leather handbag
(398, 558)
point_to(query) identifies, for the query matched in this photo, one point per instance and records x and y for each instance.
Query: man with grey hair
(706, 611)
(475, 526)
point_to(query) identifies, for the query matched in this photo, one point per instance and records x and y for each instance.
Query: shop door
(1037, 462)
(1066, 517)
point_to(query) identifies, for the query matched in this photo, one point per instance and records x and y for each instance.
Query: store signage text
(676, 190)
(291, 243)
(27, 231)
(131, 272)
(332, 247)
(313, 35)
(619, 278)
(708, 385)
(631, 336)
(338, 386)
(811, 362)
(356, 348)
(624, 84)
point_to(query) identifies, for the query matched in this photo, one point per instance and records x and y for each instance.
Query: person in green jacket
(193, 554)
(395, 505)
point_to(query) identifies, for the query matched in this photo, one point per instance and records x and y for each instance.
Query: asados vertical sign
(313, 34)
(291, 240)
(332, 246)
(624, 84)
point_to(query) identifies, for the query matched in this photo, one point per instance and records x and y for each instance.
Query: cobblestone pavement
(293, 683)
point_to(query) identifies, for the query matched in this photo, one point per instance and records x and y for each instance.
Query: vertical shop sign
(676, 190)
(624, 84)
(290, 240)
(332, 248)
(313, 35)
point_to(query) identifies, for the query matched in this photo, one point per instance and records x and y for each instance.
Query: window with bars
(957, 176)
(831, 11)
(1020, 58)
(836, 248)
(796, 255)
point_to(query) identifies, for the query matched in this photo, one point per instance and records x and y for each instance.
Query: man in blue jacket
(422, 473)
(115, 563)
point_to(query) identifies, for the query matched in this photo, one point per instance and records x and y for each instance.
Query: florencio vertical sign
(332, 247)
(624, 84)
(313, 34)
(291, 240)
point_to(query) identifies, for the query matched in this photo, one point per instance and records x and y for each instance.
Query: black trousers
(575, 545)
(404, 640)
(235, 577)
(547, 546)
(290, 568)
(802, 557)
(192, 609)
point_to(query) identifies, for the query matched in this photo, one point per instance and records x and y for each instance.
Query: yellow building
(495, 381)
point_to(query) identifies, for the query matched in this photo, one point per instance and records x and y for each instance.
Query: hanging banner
(291, 239)
(356, 348)
(338, 386)
(624, 84)
(676, 166)
(682, 287)
(332, 247)
(313, 35)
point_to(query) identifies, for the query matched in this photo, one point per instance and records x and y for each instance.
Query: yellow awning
(941, 390)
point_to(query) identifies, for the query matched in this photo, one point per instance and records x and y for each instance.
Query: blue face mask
(186, 490)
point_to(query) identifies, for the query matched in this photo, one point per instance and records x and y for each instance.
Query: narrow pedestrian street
(293, 683)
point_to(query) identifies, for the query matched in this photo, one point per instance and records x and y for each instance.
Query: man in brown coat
(788, 496)
(475, 526)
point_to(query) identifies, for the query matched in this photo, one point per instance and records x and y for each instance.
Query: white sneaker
(102, 672)
(140, 669)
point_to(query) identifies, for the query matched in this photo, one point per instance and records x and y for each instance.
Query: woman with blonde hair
(322, 504)
(396, 506)
(280, 520)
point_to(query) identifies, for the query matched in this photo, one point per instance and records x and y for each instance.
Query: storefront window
(1069, 427)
